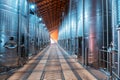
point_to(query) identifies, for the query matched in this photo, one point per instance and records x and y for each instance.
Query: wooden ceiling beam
(44, 13)
(36, 1)
(42, 4)
(47, 4)
(51, 11)
(45, 8)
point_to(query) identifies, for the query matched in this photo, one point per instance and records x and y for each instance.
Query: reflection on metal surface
(96, 28)
(9, 27)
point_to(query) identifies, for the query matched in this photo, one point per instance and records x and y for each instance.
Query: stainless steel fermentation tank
(96, 28)
(116, 38)
(38, 35)
(13, 23)
(32, 33)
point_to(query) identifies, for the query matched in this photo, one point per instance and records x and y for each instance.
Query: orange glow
(54, 35)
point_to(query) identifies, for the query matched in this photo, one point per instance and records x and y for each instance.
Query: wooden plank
(54, 68)
(84, 74)
(52, 76)
(19, 73)
(68, 74)
(37, 72)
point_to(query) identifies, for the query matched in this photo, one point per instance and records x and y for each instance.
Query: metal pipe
(76, 41)
(118, 36)
(83, 39)
(118, 50)
(28, 25)
(103, 20)
(18, 36)
(70, 25)
(113, 28)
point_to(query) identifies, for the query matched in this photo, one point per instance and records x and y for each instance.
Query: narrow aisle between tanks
(52, 64)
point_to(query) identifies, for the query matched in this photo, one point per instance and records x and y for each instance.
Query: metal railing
(108, 62)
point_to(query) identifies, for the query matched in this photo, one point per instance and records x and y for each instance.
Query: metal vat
(13, 19)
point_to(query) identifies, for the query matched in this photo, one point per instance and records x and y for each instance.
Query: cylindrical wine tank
(32, 32)
(13, 20)
(97, 27)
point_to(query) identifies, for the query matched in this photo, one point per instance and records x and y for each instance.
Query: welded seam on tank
(70, 65)
(12, 11)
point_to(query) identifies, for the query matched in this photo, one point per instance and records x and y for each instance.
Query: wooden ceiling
(51, 11)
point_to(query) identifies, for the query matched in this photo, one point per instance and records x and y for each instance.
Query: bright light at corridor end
(52, 41)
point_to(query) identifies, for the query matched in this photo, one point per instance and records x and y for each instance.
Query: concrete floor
(52, 64)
